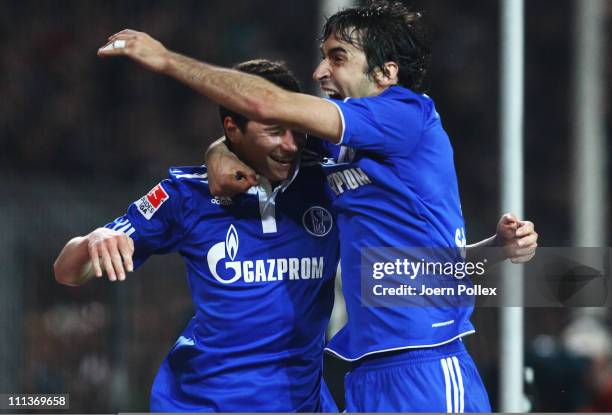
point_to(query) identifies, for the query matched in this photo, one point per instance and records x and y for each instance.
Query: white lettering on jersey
(123, 225)
(348, 179)
(260, 270)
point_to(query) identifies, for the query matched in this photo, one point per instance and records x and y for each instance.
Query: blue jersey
(395, 185)
(260, 267)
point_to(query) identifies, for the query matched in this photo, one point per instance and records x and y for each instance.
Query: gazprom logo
(219, 251)
(221, 260)
(231, 242)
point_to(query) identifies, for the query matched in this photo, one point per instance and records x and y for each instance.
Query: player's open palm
(138, 46)
(110, 251)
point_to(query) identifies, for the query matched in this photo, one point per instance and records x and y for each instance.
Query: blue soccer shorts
(436, 379)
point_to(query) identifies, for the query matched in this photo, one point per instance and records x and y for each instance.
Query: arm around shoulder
(227, 174)
(257, 98)
(252, 96)
(312, 115)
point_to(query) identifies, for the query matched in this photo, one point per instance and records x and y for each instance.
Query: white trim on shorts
(453, 381)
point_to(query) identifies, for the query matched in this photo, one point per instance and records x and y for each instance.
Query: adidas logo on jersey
(259, 270)
(222, 201)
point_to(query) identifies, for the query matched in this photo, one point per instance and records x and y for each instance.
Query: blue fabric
(262, 299)
(395, 185)
(415, 381)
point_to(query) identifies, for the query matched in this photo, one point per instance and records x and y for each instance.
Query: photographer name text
(423, 290)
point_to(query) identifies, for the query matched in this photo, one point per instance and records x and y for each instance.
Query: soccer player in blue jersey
(394, 179)
(260, 268)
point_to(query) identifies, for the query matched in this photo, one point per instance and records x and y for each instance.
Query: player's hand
(138, 46)
(518, 238)
(112, 252)
(227, 174)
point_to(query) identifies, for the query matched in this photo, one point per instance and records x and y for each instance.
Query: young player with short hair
(260, 268)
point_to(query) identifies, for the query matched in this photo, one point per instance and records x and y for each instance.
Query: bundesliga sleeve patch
(151, 202)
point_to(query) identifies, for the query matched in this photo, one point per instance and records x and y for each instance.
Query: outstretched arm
(252, 96)
(517, 240)
(86, 256)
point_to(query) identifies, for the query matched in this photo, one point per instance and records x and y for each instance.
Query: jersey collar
(265, 187)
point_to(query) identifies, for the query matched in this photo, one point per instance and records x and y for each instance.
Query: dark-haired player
(260, 268)
(394, 178)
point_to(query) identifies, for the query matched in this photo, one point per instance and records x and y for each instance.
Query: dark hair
(386, 31)
(276, 72)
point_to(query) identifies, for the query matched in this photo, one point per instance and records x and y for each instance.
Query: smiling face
(343, 71)
(271, 150)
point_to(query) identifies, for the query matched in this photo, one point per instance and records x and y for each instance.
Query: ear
(385, 81)
(232, 131)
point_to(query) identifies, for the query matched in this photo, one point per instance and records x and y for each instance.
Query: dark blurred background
(81, 137)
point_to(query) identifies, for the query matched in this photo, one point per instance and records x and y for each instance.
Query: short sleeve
(386, 124)
(155, 221)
